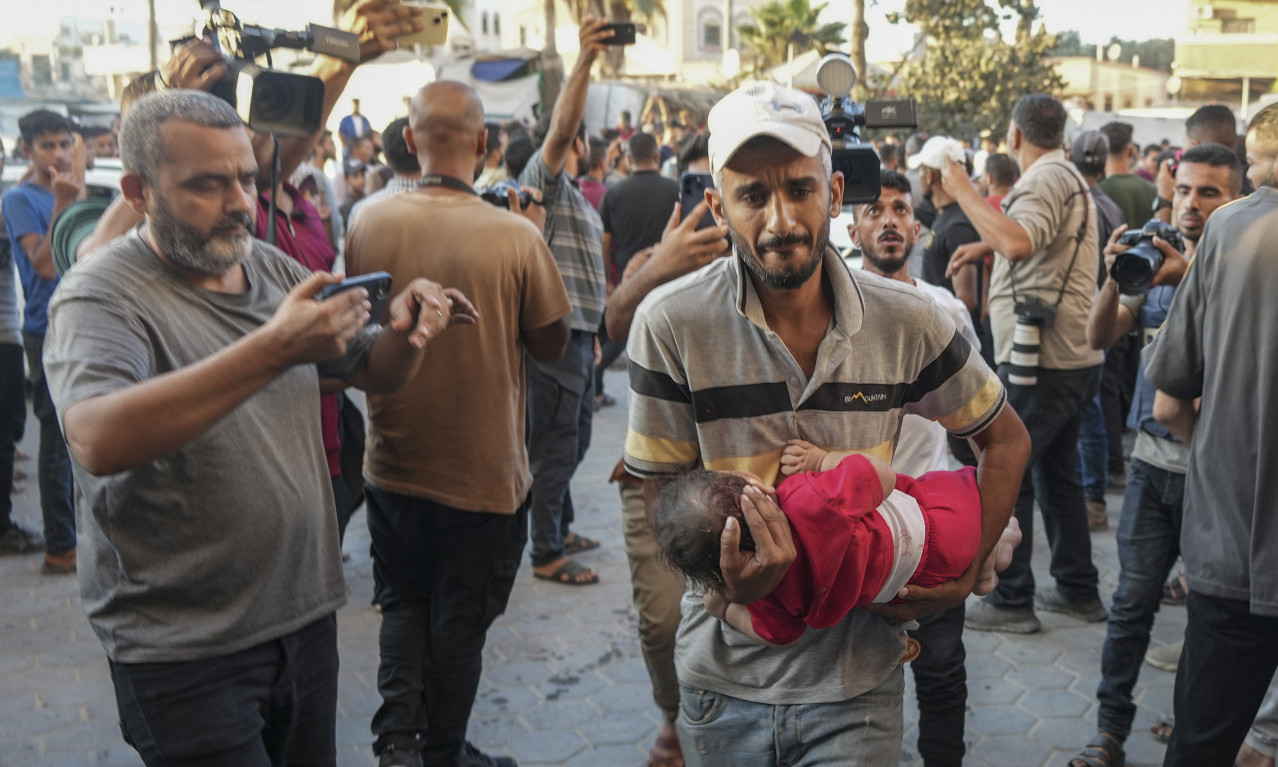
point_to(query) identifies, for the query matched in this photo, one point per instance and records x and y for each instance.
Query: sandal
(1175, 592)
(1162, 729)
(1104, 750)
(569, 574)
(575, 544)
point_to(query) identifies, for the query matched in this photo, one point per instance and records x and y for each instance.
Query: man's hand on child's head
(800, 455)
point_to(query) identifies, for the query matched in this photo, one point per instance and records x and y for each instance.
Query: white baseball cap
(935, 151)
(765, 109)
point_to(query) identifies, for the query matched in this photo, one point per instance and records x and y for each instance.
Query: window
(496, 23)
(483, 22)
(711, 34)
(1238, 26)
(710, 29)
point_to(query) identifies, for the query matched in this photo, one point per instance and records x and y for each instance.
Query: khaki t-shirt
(455, 433)
(1049, 202)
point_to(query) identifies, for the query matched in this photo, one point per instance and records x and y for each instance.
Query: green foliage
(967, 78)
(780, 23)
(1156, 53)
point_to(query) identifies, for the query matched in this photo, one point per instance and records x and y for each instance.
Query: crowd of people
(821, 463)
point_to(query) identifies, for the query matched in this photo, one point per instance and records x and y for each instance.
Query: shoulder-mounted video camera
(844, 119)
(270, 101)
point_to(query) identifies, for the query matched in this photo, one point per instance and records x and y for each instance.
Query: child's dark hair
(689, 522)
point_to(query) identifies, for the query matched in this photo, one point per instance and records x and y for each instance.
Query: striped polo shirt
(574, 233)
(713, 386)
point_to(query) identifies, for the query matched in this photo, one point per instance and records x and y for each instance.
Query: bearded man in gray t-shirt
(186, 361)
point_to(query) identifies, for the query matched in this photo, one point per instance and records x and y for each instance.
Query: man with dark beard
(185, 360)
(783, 342)
(885, 231)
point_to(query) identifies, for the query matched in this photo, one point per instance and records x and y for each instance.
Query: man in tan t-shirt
(446, 465)
(1041, 290)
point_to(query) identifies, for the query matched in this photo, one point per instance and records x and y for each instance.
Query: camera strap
(1079, 236)
(447, 182)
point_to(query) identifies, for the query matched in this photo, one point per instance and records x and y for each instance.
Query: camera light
(836, 75)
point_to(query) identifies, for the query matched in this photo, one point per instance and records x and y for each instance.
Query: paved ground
(564, 683)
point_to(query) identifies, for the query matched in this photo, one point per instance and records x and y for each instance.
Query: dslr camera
(1134, 269)
(270, 101)
(496, 195)
(1032, 315)
(844, 119)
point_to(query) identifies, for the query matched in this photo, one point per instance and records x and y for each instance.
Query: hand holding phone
(434, 19)
(623, 33)
(692, 190)
(378, 285)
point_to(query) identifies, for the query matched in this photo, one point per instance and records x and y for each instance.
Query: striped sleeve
(956, 388)
(661, 437)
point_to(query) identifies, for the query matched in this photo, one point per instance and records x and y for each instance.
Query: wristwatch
(1160, 203)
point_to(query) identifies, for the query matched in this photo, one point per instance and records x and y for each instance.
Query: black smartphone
(378, 285)
(692, 190)
(623, 33)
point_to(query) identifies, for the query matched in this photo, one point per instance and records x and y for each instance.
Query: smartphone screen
(692, 190)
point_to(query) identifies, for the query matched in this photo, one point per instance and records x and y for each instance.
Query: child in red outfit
(861, 533)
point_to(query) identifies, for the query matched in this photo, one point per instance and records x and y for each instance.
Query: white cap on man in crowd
(765, 109)
(936, 151)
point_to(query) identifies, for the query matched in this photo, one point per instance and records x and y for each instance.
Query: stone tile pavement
(564, 683)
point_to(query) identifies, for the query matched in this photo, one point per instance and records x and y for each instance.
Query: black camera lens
(1134, 269)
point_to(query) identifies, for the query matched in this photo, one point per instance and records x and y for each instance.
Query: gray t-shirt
(230, 541)
(1219, 343)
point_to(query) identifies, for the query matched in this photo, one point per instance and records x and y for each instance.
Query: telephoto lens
(1024, 361)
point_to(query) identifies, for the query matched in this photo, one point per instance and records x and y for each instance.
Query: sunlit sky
(1096, 20)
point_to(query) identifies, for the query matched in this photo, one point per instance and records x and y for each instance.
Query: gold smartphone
(435, 18)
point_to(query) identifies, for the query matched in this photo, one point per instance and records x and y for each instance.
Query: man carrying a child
(783, 342)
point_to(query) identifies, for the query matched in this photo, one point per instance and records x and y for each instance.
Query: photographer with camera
(1041, 290)
(1207, 177)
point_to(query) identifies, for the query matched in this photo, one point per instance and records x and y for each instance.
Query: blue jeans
(272, 704)
(445, 575)
(1148, 544)
(716, 729)
(1052, 411)
(561, 411)
(53, 465)
(1093, 451)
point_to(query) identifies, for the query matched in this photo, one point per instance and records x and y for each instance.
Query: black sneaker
(16, 540)
(394, 756)
(1089, 611)
(473, 757)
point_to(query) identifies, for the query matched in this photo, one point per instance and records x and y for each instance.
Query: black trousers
(940, 685)
(445, 576)
(1225, 669)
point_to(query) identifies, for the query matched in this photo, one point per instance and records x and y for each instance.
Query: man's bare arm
(1180, 416)
(571, 106)
(134, 425)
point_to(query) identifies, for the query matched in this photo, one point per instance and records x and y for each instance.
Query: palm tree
(860, 31)
(781, 24)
